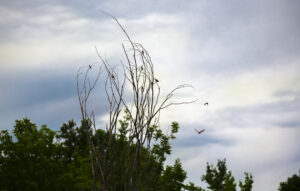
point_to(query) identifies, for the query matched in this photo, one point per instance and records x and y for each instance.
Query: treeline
(43, 159)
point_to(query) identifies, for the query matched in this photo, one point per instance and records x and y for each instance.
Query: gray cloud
(287, 93)
(201, 141)
(30, 88)
(279, 114)
(47, 97)
(222, 40)
(245, 36)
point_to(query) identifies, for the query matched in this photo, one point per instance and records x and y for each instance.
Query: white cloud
(257, 150)
(237, 61)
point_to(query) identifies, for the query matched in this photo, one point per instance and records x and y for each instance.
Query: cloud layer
(241, 57)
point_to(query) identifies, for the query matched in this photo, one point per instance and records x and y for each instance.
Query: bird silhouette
(206, 104)
(112, 76)
(156, 80)
(199, 132)
(90, 66)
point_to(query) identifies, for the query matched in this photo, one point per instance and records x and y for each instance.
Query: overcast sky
(243, 57)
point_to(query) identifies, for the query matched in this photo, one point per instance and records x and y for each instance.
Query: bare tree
(142, 105)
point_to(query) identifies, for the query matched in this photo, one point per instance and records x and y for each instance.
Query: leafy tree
(73, 147)
(247, 185)
(30, 163)
(191, 187)
(173, 177)
(35, 161)
(218, 178)
(42, 159)
(292, 183)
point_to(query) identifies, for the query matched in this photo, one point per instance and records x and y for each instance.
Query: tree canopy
(42, 159)
(291, 184)
(37, 160)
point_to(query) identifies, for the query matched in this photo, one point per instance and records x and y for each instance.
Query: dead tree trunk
(142, 110)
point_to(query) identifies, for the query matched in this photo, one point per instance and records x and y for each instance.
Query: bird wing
(201, 131)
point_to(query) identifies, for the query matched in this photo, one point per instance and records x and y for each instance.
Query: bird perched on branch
(206, 104)
(112, 76)
(199, 132)
(156, 80)
(90, 66)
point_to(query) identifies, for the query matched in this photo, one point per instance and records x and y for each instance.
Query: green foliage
(218, 178)
(173, 177)
(42, 159)
(191, 187)
(292, 184)
(36, 162)
(247, 185)
(174, 129)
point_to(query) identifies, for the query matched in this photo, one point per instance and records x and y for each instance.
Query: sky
(242, 57)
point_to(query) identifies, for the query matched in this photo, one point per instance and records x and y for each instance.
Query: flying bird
(206, 104)
(199, 132)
